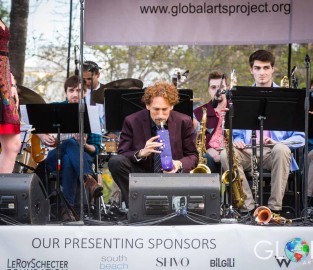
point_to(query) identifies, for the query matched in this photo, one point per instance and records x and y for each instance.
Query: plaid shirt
(95, 140)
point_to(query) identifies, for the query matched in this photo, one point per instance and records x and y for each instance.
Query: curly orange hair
(161, 89)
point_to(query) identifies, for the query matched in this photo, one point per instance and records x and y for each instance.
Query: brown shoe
(95, 190)
(67, 215)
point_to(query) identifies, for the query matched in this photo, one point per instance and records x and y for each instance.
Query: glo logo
(172, 262)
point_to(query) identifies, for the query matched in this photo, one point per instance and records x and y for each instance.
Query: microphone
(215, 99)
(307, 59)
(294, 81)
(294, 69)
(218, 93)
(185, 74)
(76, 62)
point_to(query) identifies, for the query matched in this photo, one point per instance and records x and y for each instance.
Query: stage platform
(194, 247)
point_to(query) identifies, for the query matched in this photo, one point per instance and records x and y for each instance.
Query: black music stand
(259, 108)
(310, 116)
(57, 118)
(120, 103)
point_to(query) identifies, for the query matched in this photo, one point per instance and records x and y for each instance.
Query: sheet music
(94, 119)
(24, 114)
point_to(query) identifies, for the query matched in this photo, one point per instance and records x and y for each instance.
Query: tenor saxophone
(200, 144)
(237, 193)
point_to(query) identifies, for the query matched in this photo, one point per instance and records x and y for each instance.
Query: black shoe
(310, 201)
(67, 215)
(95, 190)
(244, 211)
(277, 212)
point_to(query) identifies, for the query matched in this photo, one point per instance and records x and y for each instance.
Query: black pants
(120, 168)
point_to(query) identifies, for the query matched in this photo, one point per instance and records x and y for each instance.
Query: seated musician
(277, 155)
(215, 110)
(138, 145)
(69, 151)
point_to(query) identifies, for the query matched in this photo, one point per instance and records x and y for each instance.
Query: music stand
(259, 108)
(57, 118)
(310, 135)
(120, 103)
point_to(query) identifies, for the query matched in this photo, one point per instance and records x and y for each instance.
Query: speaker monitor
(23, 198)
(174, 198)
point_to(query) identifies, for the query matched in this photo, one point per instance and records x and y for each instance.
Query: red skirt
(9, 129)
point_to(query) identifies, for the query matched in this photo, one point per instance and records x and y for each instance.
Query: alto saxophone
(202, 164)
(237, 193)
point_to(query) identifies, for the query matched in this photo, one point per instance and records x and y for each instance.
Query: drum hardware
(129, 83)
(27, 96)
(24, 162)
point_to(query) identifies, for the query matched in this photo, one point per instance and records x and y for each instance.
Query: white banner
(210, 22)
(224, 246)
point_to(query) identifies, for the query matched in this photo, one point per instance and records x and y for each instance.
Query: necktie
(157, 163)
(92, 103)
(157, 160)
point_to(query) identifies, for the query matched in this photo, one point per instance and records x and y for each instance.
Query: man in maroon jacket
(139, 144)
(217, 82)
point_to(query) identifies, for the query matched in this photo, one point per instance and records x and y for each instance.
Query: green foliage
(151, 63)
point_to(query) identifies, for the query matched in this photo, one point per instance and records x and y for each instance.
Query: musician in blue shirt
(277, 156)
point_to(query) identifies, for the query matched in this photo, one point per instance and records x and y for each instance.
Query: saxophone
(200, 144)
(238, 195)
(254, 168)
(284, 82)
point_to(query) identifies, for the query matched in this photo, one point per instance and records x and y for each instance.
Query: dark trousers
(70, 164)
(120, 168)
(215, 167)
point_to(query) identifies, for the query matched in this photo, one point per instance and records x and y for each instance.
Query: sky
(47, 21)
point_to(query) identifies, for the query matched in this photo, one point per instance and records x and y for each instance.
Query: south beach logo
(296, 250)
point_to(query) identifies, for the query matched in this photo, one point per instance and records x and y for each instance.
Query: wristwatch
(138, 157)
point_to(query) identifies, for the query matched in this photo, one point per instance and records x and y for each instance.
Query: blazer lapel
(171, 130)
(146, 125)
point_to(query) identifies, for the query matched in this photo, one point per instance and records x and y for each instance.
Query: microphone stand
(81, 116)
(76, 62)
(306, 130)
(229, 217)
(230, 151)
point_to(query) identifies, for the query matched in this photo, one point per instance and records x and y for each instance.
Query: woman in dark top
(9, 119)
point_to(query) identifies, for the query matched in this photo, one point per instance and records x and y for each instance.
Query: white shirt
(100, 107)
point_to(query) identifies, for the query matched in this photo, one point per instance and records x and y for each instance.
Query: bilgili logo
(295, 250)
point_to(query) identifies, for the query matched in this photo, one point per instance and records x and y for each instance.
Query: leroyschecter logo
(35, 264)
(295, 251)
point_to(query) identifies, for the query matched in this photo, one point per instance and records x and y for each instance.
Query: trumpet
(264, 215)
